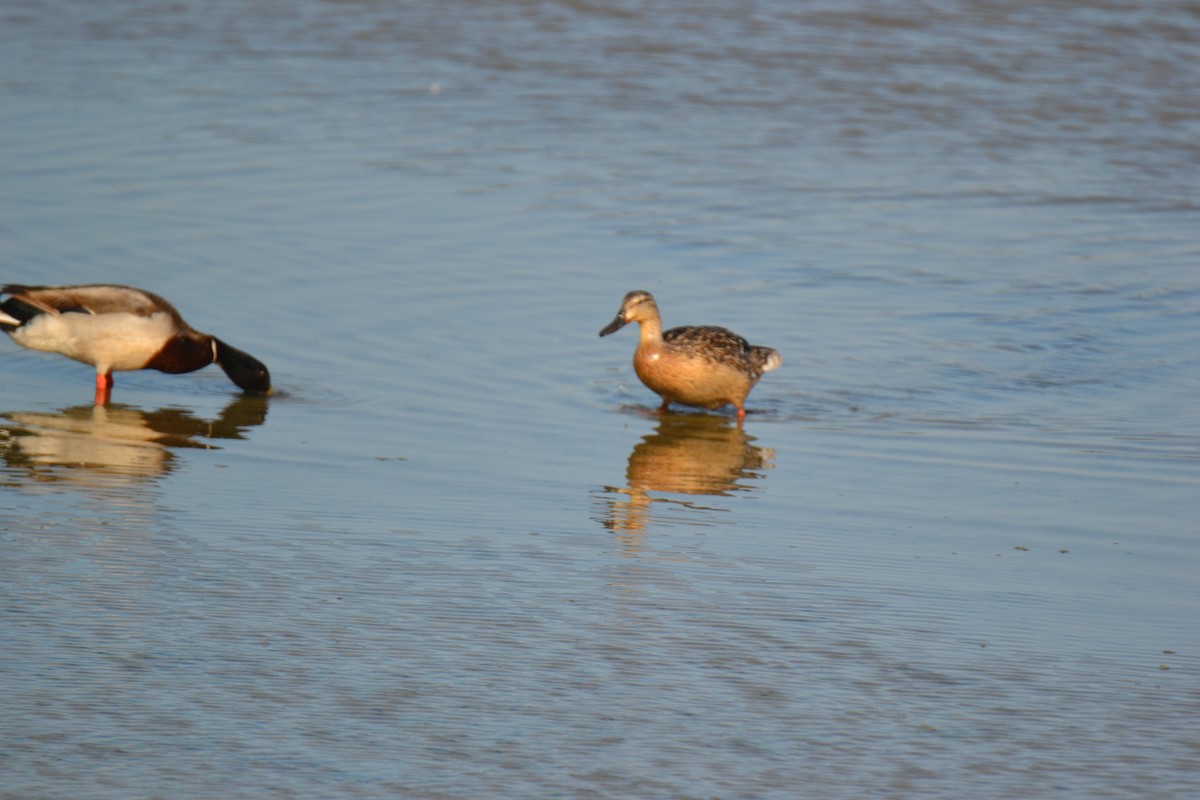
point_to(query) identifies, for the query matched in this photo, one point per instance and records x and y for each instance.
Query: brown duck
(119, 328)
(702, 365)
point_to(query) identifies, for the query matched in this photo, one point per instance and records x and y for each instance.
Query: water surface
(951, 552)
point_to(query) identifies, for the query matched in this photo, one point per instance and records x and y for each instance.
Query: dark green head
(245, 370)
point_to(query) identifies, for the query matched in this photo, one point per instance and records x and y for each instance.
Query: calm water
(952, 553)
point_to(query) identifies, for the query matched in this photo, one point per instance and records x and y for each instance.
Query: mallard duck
(700, 365)
(120, 328)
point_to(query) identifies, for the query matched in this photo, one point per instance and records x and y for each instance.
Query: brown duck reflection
(691, 454)
(84, 443)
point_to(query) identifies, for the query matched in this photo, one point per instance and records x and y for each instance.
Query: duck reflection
(689, 454)
(84, 443)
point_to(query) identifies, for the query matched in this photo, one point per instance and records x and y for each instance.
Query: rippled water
(950, 554)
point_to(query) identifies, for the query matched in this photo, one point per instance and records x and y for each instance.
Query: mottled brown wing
(716, 344)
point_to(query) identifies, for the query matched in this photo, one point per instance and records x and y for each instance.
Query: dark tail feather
(14, 313)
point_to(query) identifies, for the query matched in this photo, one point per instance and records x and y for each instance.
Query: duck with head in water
(701, 365)
(116, 327)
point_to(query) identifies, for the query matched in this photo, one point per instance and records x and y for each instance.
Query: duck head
(243, 369)
(636, 306)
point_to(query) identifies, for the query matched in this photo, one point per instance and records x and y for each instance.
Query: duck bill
(250, 374)
(615, 325)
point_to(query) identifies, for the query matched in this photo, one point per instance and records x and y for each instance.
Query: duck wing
(722, 346)
(711, 342)
(87, 299)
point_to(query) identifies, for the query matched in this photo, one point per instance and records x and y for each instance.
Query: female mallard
(701, 365)
(120, 328)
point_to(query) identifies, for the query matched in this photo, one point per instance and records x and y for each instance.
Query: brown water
(951, 554)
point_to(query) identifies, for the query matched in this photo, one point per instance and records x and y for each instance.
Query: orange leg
(104, 383)
(741, 415)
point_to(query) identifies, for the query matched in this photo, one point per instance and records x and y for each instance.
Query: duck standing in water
(700, 365)
(119, 328)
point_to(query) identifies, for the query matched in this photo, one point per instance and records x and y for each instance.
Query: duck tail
(765, 359)
(14, 313)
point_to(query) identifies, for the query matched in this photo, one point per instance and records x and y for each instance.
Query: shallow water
(951, 553)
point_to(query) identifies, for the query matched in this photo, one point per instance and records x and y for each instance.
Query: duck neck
(651, 331)
(185, 352)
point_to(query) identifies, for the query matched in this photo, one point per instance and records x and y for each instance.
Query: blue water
(951, 553)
